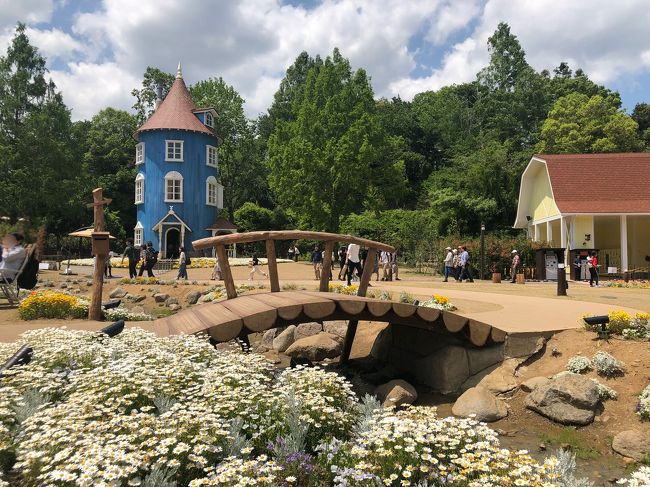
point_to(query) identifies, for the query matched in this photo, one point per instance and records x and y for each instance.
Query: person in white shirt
(353, 262)
(384, 260)
(13, 256)
(449, 263)
(182, 265)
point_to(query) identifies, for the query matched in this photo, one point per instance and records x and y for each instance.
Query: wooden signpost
(100, 249)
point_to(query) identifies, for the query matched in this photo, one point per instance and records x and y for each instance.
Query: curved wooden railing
(220, 242)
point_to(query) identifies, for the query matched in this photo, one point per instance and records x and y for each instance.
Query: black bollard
(562, 285)
(21, 357)
(113, 329)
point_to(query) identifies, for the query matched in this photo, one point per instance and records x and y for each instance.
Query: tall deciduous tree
(109, 161)
(324, 162)
(147, 95)
(579, 124)
(242, 170)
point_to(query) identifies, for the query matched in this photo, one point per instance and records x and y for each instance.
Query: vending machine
(550, 264)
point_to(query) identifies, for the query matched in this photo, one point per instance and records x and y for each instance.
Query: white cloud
(250, 43)
(87, 88)
(28, 11)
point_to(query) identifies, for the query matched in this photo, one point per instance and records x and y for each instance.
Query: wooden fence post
(327, 267)
(273, 266)
(226, 273)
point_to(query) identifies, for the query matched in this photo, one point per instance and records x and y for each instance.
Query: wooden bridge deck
(228, 319)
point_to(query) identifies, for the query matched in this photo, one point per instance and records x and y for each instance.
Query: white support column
(182, 235)
(160, 240)
(537, 232)
(549, 232)
(563, 232)
(624, 263)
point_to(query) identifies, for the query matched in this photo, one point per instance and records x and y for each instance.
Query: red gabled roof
(600, 183)
(176, 112)
(222, 224)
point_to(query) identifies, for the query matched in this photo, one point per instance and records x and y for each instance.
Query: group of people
(352, 260)
(458, 264)
(147, 256)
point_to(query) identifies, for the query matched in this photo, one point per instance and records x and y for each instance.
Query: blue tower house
(177, 193)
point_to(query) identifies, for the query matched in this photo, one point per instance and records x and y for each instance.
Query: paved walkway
(519, 314)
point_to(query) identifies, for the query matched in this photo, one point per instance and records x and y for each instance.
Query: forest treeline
(326, 155)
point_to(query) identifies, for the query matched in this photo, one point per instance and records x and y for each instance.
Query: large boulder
(192, 297)
(170, 301)
(567, 399)
(118, 292)
(316, 347)
(307, 329)
(444, 370)
(481, 403)
(502, 379)
(284, 339)
(383, 343)
(484, 357)
(523, 344)
(396, 392)
(160, 297)
(530, 384)
(338, 328)
(633, 444)
(267, 339)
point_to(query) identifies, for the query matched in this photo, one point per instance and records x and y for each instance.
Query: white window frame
(138, 234)
(211, 184)
(174, 159)
(209, 121)
(139, 153)
(139, 189)
(173, 176)
(208, 149)
(219, 196)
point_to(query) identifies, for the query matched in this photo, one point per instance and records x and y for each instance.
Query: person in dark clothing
(317, 261)
(131, 254)
(149, 260)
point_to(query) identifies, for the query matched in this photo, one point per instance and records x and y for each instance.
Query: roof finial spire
(179, 71)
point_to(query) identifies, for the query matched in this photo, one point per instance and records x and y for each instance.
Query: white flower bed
(640, 478)
(89, 410)
(643, 408)
(579, 364)
(198, 262)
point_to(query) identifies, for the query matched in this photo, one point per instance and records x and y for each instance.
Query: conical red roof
(176, 112)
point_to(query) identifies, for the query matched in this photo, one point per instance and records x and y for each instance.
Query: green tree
(324, 162)
(242, 170)
(290, 91)
(581, 124)
(41, 177)
(23, 87)
(641, 115)
(250, 217)
(147, 95)
(109, 161)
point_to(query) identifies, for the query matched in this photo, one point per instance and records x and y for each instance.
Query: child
(256, 268)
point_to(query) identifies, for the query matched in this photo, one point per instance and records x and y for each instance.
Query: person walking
(295, 253)
(516, 261)
(255, 268)
(182, 264)
(108, 264)
(343, 252)
(13, 256)
(394, 266)
(317, 261)
(449, 264)
(131, 254)
(466, 266)
(456, 263)
(593, 269)
(149, 259)
(353, 261)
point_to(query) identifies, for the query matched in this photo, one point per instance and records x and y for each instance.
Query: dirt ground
(522, 428)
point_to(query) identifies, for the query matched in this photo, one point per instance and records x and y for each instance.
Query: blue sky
(97, 50)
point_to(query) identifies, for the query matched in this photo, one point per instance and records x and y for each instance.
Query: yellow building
(590, 201)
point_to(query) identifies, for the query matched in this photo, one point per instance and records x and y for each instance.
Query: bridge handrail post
(226, 273)
(327, 267)
(273, 266)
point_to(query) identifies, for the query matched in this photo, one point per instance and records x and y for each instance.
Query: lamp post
(482, 251)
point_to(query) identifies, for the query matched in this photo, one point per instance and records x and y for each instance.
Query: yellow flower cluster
(51, 304)
(342, 289)
(440, 299)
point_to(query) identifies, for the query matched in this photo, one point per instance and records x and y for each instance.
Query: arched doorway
(172, 243)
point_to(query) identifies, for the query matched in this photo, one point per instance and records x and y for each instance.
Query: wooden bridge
(237, 316)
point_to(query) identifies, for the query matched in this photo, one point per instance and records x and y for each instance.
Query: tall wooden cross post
(100, 249)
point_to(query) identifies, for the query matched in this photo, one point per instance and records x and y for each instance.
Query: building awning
(222, 224)
(171, 217)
